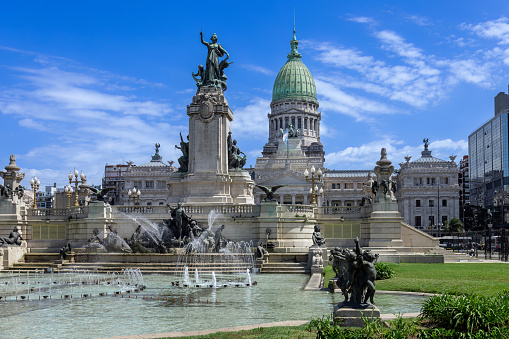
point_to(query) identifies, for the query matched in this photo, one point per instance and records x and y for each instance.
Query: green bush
(470, 314)
(383, 271)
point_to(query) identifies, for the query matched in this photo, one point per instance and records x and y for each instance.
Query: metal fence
(487, 244)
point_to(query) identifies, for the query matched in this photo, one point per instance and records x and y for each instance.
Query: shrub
(383, 271)
(470, 314)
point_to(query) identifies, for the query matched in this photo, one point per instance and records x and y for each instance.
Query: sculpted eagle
(269, 191)
(99, 193)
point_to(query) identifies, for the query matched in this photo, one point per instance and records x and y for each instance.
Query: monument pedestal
(351, 315)
(241, 189)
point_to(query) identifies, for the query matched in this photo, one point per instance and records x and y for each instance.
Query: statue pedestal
(241, 188)
(350, 315)
(385, 224)
(315, 267)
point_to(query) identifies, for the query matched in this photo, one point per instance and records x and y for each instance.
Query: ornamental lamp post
(35, 183)
(76, 182)
(313, 191)
(133, 195)
(68, 192)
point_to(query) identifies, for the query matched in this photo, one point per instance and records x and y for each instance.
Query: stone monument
(13, 215)
(385, 220)
(211, 164)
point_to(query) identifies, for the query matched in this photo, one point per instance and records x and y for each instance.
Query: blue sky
(83, 84)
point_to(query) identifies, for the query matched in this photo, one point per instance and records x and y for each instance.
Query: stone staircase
(456, 257)
(167, 264)
(284, 263)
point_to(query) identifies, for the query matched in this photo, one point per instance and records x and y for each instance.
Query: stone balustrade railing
(58, 212)
(299, 208)
(142, 209)
(228, 210)
(343, 210)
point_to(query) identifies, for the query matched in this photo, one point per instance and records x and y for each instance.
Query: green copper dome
(294, 81)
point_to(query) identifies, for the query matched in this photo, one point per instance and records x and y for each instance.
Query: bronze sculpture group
(184, 158)
(14, 238)
(235, 159)
(355, 273)
(318, 239)
(212, 75)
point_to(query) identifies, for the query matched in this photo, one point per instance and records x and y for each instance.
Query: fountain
(218, 261)
(68, 284)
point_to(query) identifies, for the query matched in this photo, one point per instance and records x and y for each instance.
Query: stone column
(293, 198)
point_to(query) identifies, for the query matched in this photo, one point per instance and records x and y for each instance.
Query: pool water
(162, 307)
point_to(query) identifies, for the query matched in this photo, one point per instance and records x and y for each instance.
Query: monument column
(207, 179)
(211, 166)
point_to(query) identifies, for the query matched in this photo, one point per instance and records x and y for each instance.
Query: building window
(286, 122)
(293, 121)
(137, 184)
(431, 220)
(349, 185)
(446, 181)
(149, 184)
(432, 203)
(444, 203)
(444, 219)
(333, 186)
(299, 122)
(161, 184)
(418, 220)
(305, 123)
(418, 203)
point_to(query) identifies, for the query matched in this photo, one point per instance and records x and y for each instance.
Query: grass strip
(452, 278)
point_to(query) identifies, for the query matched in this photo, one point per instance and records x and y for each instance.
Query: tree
(455, 225)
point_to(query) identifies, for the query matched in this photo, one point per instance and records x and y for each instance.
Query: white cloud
(29, 123)
(362, 20)
(397, 44)
(251, 120)
(90, 124)
(419, 20)
(493, 29)
(360, 108)
(258, 69)
(366, 155)
(472, 71)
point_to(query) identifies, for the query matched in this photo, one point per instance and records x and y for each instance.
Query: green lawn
(453, 278)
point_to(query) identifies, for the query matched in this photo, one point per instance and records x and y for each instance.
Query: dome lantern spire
(294, 43)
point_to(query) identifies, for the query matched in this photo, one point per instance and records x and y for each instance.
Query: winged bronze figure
(269, 191)
(101, 194)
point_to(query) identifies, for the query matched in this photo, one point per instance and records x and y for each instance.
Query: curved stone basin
(163, 308)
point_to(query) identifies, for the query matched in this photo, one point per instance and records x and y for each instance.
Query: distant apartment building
(46, 198)
(114, 177)
(464, 186)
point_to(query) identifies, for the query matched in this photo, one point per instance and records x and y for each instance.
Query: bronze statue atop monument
(213, 73)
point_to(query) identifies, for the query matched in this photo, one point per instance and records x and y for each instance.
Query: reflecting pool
(162, 307)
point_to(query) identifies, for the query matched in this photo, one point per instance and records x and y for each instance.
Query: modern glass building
(488, 154)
